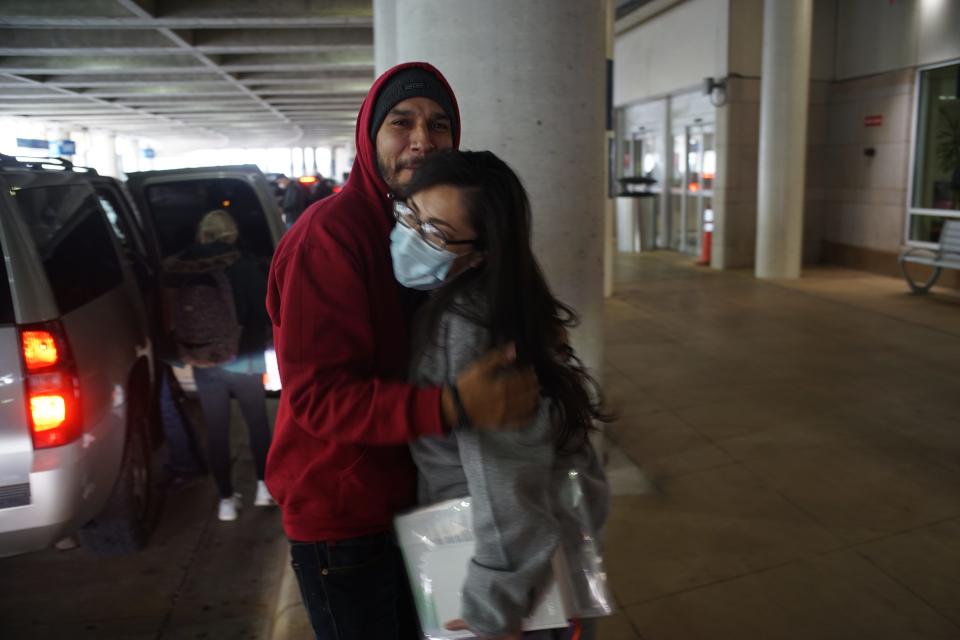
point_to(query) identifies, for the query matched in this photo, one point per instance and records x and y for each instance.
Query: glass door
(695, 189)
(678, 177)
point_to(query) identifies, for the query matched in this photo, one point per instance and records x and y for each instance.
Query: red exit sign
(873, 121)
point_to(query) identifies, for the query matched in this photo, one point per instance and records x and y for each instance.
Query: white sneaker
(263, 499)
(229, 507)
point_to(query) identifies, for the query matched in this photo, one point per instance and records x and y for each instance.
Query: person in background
(339, 466)
(322, 188)
(216, 249)
(293, 199)
(463, 233)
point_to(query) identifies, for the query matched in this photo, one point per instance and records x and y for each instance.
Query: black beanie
(413, 82)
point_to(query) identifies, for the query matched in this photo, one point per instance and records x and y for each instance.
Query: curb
(290, 621)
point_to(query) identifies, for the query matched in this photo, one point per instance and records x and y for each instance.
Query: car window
(114, 219)
(73, 241)
(176, 208)
(121, 219)
(6, 301)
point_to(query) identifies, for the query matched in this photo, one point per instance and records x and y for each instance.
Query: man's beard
(389, 174)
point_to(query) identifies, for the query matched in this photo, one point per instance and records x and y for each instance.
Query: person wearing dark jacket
(293, 199)
(242, 376)
(339, 465)
(322, 188)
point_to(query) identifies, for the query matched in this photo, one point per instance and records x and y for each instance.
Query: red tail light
(51, 384)
(39, 349)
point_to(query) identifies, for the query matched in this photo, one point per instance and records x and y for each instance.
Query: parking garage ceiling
(216, 72)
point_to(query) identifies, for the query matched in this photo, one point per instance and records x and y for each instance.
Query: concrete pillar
(130, 155)
(341, 154)
(784, 87)
(333, 162)
(663, 201)
(349, 154)
(608, 210)
(103, 153)
(531, 82)
(82, 138)
(384, 35)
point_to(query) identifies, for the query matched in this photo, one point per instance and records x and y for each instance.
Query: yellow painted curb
(290, 621)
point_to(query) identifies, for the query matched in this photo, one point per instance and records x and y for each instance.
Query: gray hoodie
(516, 480)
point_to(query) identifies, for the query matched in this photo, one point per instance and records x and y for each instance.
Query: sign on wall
(63, 148)
(32, 143)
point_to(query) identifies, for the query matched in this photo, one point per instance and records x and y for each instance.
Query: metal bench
(946, 256)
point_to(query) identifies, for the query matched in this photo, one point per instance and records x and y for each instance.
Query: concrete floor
(800, 443)
(804, 441)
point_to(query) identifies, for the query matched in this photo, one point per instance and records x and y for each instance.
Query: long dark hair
(507, 294)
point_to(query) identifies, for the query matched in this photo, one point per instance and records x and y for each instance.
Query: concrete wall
(745, 47)
(876, 37)
(865, 202)
(879, 44)
(672, 52)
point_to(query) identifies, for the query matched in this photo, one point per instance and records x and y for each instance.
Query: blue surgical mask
(417, 265)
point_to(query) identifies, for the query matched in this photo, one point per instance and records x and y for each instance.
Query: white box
(437, 544)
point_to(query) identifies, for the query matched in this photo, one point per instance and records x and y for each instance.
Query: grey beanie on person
(413, 82)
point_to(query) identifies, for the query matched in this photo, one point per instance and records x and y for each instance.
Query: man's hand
(460, 625)
(495, 396)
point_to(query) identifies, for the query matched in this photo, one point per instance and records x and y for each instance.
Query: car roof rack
(28, 162)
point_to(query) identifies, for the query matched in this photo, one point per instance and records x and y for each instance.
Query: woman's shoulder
(463, 319)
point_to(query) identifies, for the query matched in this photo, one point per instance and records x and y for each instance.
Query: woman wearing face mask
(463, 233)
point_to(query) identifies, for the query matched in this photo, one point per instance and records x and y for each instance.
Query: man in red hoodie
(339, 466)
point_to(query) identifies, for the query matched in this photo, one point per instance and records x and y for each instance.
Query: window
(935, 190)
(114, 219)
(122, 221)
(73, 241)
(177, 208)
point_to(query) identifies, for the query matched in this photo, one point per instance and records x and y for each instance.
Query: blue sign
(63, 148)
(149, 153)
(32, 143)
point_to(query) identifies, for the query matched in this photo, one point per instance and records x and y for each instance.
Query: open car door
(172, 202)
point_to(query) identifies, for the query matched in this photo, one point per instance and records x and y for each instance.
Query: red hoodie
(339, 465)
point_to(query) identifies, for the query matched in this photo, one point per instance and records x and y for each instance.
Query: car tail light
(51, 384)
(39, 349)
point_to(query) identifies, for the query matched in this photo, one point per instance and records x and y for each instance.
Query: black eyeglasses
(429, 232)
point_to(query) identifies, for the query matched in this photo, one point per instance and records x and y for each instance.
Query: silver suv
(77, 370)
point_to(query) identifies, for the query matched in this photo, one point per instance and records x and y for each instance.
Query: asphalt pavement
(199, 578)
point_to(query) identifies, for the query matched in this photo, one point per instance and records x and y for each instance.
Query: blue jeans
(178, 430)
(355, 589)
